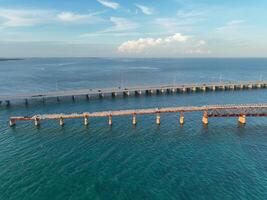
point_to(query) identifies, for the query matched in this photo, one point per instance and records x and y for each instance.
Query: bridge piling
(242, 119)
(205, 118)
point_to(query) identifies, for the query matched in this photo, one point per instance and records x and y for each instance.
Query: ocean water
(221, 161)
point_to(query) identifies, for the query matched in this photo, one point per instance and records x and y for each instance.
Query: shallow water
(221, 161)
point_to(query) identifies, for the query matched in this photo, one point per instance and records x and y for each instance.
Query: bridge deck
(104, 91)
(212, 111)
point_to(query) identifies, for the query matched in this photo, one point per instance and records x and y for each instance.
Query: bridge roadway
(88, 93)
(239, 110)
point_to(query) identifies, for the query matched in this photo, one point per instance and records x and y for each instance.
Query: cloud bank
(143, 43)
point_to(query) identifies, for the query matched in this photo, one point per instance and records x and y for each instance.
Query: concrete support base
(12, 122)
(36, 122)
(134, 119)
(242, 119)
(181, 118)
(86, 121)
(158, 119)
(110, 120)
(61, 122)
(205, 118)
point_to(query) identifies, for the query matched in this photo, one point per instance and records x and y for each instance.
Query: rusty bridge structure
(239, 111)
(131, 91)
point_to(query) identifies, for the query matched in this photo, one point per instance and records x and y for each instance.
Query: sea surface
(221, 161)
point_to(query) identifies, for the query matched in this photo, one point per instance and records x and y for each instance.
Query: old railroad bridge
(149, 90)
(240, 111)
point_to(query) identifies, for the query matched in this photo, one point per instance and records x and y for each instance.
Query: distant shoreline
(8, 59)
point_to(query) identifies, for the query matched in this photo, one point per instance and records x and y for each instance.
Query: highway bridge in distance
(136, 91)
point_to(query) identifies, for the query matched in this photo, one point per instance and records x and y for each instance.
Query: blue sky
(133, 28)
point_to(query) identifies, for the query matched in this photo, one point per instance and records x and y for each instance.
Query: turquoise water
(221, 161)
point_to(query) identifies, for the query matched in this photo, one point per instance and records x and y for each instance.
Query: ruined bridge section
(136, 91)
(241, 111)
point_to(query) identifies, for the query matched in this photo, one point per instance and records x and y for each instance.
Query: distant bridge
(241, 111)
(149, 90)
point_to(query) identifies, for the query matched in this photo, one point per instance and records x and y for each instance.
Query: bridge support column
(204, 88)
(26, 102)
(194, 89)
(205, 118)
(134, 119)
(184, 89)
(173, 90)
(86, 121)
(7, 103)
(36, 121)
(242, 119)
(259, 85)
(181, 118)
(162, 91)
(61, 121)
(214, 88)
(87, 97)
(126, 93)
(58, 100)
(101, 95)
(114, 94)
(138, 92)
(12, 122)
(250, 86)
(110, 120)
(73, 98)
(158, 119)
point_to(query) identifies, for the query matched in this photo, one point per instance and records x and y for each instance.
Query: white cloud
(232, 25)
(22, 17)
(71, 17)
(109, 4)
(78, 18)
(143, 43)
(146, 10)
(32, 17)
(121, 24)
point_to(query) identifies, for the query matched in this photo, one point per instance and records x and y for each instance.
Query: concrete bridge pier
(213, 88)
(73, 98)
(259, 85)
(173, 90)
(12, 122)
(184, 89)
(162, 91)
(126, 93)
(134, 119)
(114, 94)
(110, 120)
(87, 97)
(36, 121)
(250, 86)
(223, 87)
(58, 100)
(232, 87)
(61, 121)
(242, 119)
(101, 95)
(158, 119)
(86, 121)
(138, 92)
(205, 118)
(181, 118)
(26, 102)
(204, 88)
(7, 103)
(193, 89)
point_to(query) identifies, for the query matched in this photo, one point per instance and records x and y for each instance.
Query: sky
(133, 28)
